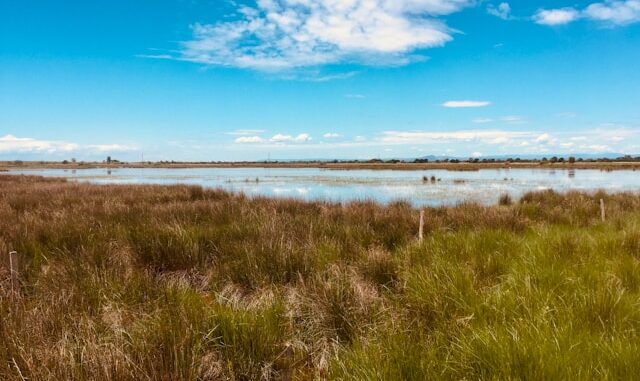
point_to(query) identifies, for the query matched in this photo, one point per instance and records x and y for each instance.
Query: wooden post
(421, 231)
(13, 268)
(602, 214)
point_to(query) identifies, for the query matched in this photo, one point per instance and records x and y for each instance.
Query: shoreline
(404, 166)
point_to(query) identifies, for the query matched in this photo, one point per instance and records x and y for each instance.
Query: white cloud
(503, 10)
(422, 137)
(249, 139)
(275, 139)
(482, 120)
(280, 138)
(543, 138)
(13, 144)
(612, 12)
(600, 148)
(465, 104)
(513, 119)
(615, 12)
(556, 16)
(331, 135)
(10, 143)
(110, 148)
(284, 34)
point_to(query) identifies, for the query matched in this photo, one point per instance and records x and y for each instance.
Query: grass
(182, 283)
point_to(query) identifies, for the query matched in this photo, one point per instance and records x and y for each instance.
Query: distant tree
(572, 159)
(65, 161)
(108, 159)
(73, 160)
(554, 159)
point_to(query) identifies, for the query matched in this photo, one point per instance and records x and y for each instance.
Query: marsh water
(450, 187)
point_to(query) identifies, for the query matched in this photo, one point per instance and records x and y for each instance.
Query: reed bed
(182, 283)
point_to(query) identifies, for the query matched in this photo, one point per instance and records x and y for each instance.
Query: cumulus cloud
(465, 104)
(611, 12)
(503, 10)
(556, 16)
(615, 12)
(284, 34)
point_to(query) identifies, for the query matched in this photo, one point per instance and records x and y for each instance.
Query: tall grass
(183, 283)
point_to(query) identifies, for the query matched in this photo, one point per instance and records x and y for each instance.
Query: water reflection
(430, 187)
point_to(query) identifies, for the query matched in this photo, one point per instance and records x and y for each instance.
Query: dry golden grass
(183, 283)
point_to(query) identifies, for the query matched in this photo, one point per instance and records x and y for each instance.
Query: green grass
(182, 283)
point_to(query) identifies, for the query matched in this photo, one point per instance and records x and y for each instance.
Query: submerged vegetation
(182, 283)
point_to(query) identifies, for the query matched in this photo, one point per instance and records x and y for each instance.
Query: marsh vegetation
(183, 283)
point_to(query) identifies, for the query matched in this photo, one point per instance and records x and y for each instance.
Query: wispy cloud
(285, 34)
(482, 120)
(503, 10)
(280, 138)
(13, 144)
(331, 135)
(110, 147)
(249, 139)
(609, 12)
(465, 104)
(10, 143)
(612, 138)
(417, 137)
(277, 138)
(513, 119)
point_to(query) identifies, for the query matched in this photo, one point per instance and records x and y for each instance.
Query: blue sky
(247, 80)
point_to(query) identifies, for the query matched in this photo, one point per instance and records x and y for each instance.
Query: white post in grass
(421, 231)
(13, 268)
(602, 214)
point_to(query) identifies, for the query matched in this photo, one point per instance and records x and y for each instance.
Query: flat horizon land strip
(145, 282)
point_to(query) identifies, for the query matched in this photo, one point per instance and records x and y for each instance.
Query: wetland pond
(419, 187)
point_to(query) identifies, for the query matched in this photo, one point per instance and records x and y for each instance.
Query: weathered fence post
(421, 231)
(602, 213)
(13, 268)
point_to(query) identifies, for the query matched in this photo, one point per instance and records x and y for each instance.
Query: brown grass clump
(185, 283)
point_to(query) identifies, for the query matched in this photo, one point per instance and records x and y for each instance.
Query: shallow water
(484, 186)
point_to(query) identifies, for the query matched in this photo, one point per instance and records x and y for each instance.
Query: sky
(227, 80)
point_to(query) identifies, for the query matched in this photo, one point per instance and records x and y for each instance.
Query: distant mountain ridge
(584, 156)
